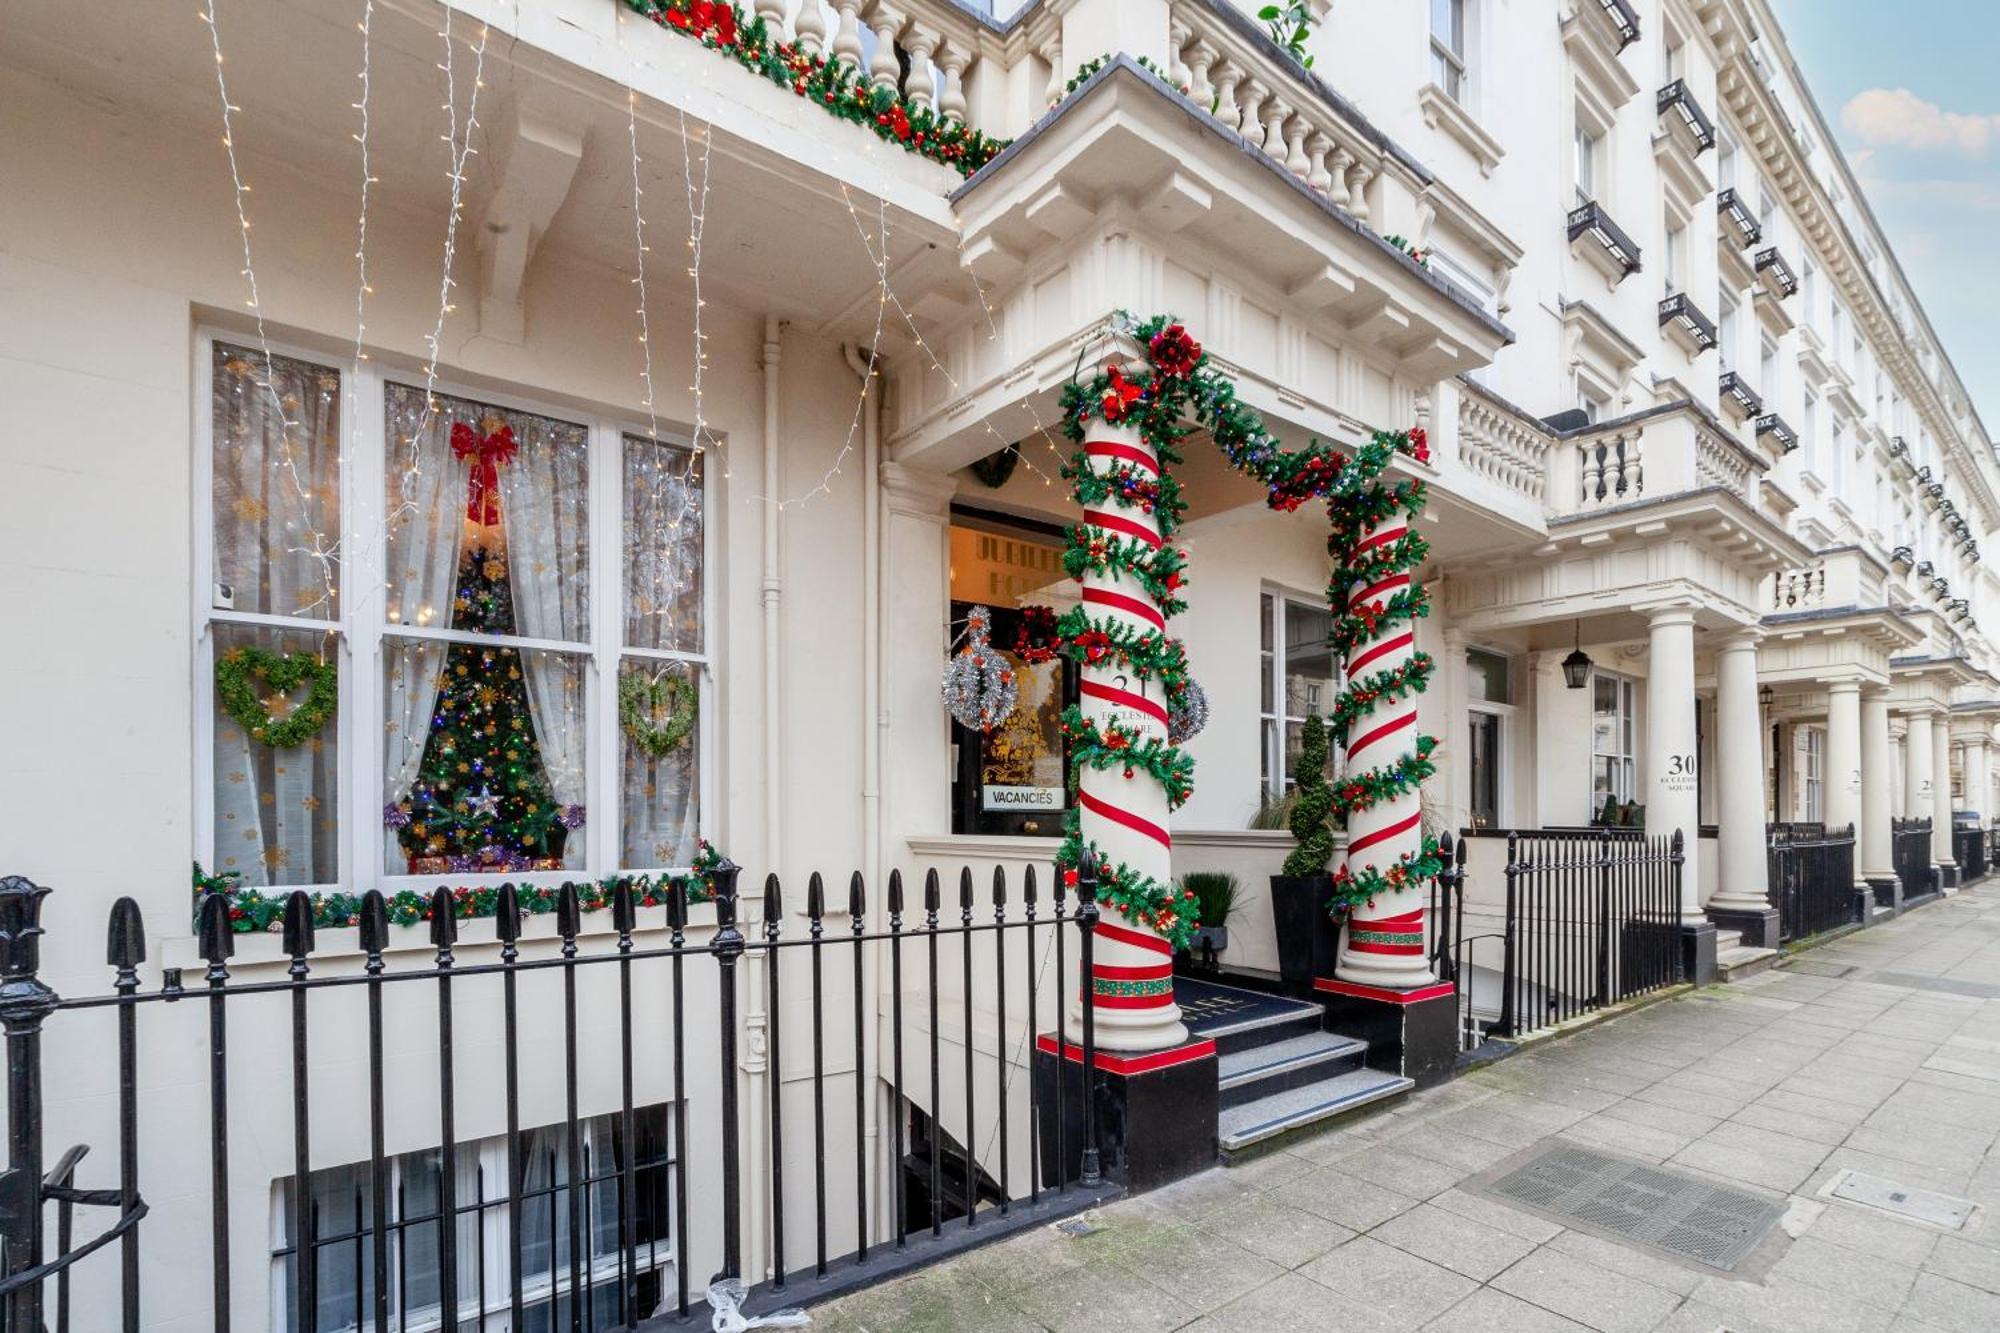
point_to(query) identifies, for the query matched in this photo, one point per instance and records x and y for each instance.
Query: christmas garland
(1147, 654)
(1413, 677)
(1095, 63)
(1035, 639)
(1351, 890)
(282, 672)
(845, 93)
(1172, 911)
(1371, 787)
(1111, 746)
(1161, 572)
(641, 700)
(253, 910)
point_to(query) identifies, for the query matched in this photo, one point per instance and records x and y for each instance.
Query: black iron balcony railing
(1732, 387)
(1624, 18)
(1774, 425)
(1677, 98)
(1771, 262)
(1678, 310)
(1734, 212)
(1590, 219)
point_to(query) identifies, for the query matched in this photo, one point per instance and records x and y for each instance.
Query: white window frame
(362, 626)
(1272, 722)
(1628, 721)
(1812, 774)
(494, 1251)
(1587, 163)
(1503, 736)
(1454, 62)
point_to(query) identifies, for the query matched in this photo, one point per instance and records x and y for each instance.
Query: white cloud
(1897, 117)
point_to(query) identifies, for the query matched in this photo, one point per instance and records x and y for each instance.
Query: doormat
(1687, 1216)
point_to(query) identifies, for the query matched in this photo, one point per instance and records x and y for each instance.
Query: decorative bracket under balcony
(1602, 241)
(1772, 265)
(1737, 396)
(1773, 425)
(1686, 325)
(1686, 115)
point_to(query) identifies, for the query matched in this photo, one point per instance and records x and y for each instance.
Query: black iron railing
(1772, 264)
(1589, 917)
(1678, 98)
(1910, 841)
(1968, 848)
(1589, 219)
(1731, 385)
(1678, 310)
(1811, 871)
(589, 1220)
(1730, 206)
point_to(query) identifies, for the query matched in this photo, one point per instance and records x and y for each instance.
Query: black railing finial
(213, 934)
(933, 894)
(20, 926)
(444, 923)
(298, 929)
(895, 893)
(1028, 885)
(569, 915)
(999, 887)
(624, 912)
(815, 897)
(856, 898)
(125, 938)
(374, 927)
(507, 914)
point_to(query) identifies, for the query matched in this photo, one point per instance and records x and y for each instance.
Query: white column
(1454, 756)
(1124, 815)
(1977, 779)
(1842, 800)
(1941, 788)
(1742, 879)
(1875, 854)
(1670, 741)
(1917, 771)
(1899, 769)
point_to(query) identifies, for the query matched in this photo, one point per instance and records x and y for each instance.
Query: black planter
(1308, 940)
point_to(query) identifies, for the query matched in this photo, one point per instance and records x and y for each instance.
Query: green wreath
(235, 671)
(640, 700)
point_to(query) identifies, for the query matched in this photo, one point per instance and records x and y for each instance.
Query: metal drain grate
(1696, 1219)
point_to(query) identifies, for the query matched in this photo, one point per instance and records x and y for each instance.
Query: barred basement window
(343, 1241)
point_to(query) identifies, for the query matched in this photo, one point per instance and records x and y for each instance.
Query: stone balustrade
(1664, 451)
(1251, 86)
(1840, 577)
(1496, 443)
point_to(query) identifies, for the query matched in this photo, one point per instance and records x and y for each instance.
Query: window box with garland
(449, 643)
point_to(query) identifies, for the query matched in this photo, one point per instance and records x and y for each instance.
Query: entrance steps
(1278, 1070)
(1735, 960)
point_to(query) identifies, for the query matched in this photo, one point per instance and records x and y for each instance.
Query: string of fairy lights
(459, 151)
(323, 554)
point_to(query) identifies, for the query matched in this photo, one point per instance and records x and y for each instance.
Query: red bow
(483, 455)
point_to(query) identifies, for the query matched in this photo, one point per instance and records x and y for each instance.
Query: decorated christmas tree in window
(482, 800)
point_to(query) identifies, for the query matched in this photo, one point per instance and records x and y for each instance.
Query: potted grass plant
(1215, 897)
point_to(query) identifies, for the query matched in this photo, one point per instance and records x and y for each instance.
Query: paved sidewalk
(1880, 1052)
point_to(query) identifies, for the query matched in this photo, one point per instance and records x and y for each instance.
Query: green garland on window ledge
(254, 910)
(842, 93)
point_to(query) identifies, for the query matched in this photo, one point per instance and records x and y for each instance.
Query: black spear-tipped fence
(586, 1222)
(1811, 878)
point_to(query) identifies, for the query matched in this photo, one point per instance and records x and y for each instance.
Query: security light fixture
(1576, 667)
(1767, 697)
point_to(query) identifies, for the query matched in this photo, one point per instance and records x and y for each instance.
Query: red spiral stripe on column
(1111, 694)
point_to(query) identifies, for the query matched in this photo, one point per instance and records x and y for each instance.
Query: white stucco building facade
(1687, 417)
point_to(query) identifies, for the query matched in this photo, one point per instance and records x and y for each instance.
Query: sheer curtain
(545, 511)
(659, 798)
(276, 491)
(425, 501)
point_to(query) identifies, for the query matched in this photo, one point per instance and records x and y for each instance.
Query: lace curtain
(660, 806)
(276, 491)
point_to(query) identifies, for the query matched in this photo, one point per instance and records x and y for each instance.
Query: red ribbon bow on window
(483, 456)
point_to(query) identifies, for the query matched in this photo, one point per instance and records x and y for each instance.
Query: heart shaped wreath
(237, 673)
(642, 704)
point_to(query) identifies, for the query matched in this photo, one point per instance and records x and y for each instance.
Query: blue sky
(1910, 92)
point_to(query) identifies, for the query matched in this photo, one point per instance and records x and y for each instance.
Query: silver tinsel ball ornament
(979, 688)
(1187, 713)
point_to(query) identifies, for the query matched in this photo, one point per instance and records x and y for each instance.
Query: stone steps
(1254, 1122)
(1741, 961)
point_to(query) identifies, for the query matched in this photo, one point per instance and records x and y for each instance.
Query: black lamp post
(1576, 667)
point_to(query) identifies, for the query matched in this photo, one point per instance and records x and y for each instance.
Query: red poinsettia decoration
(1095, 644)
(1420, 445)
(1174, 352)
(1119, 396)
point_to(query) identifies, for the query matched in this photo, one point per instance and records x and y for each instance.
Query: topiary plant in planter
(1307, 937)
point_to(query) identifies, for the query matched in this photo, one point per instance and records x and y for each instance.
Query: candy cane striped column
(1125, 818)
(1382, 943)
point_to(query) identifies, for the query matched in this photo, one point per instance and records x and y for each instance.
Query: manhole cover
(1940, 1210)
(1689, 1217)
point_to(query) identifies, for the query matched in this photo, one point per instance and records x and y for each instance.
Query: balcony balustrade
(1602, 241)
(1740, 224)
(1676, 102)
(1773, 425)
(1685, 323)
(1738, 396)
(1772, 267)
(1498, 444)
